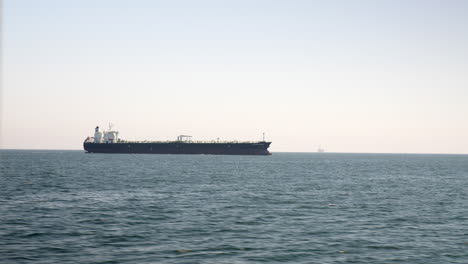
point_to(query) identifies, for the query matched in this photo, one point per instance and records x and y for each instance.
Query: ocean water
(72, 207)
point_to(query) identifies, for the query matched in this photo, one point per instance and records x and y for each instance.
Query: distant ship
(109, 142)
(320, 149)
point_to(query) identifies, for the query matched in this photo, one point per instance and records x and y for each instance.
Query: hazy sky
(352, 76)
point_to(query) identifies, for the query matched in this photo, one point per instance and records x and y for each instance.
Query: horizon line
(308, 152)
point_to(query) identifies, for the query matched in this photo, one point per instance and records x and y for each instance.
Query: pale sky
(352, 76)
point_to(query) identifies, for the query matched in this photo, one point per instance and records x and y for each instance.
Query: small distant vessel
(320, 149)
(109, 142)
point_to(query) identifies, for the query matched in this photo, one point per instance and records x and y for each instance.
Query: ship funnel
(97, 135)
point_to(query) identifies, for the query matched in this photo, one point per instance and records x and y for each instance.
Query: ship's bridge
(109, 136)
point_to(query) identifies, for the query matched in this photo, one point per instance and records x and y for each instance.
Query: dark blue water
(72, 207)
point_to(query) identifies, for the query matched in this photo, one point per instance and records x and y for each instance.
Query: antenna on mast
(263, 136)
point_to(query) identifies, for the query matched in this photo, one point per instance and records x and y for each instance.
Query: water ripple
(71, 207)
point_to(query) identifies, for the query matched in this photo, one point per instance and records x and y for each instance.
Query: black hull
(258, 148)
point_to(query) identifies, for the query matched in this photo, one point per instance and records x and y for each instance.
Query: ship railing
(187, 141)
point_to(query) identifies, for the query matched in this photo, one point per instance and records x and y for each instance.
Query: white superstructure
(109, 136)
(97, 135)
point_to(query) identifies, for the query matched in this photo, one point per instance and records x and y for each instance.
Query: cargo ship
(109, 142)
